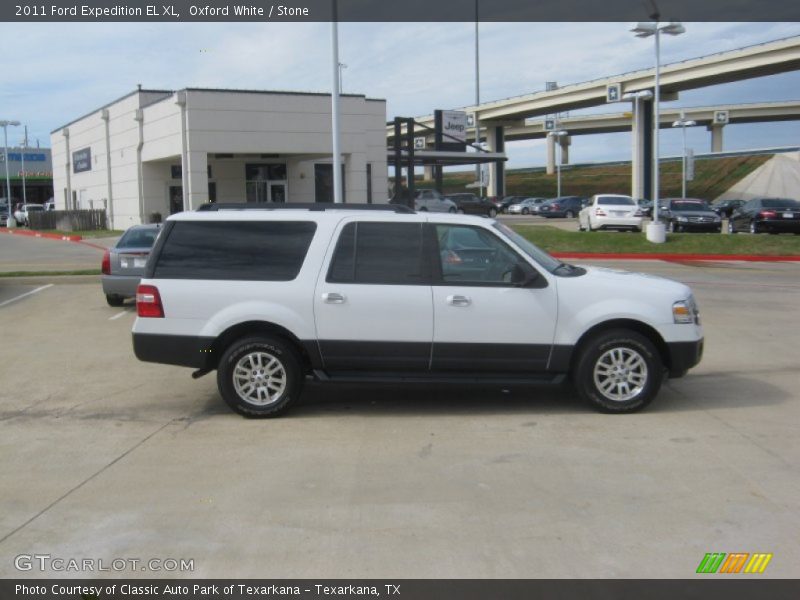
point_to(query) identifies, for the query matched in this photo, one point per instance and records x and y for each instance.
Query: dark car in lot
(564, 206)
(123, 265)
(470, 204)
(725, 208)
(646, 206)
(689, 214)
(773, 215)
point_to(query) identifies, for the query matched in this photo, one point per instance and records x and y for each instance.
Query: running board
(446, 378)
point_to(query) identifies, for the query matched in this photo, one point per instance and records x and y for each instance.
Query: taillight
(556, 207)
(105, 266)
(767, 214)
(599, 212)
(148, 302)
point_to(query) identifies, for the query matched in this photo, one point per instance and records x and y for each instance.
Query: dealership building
(30, 174)
(152, 153)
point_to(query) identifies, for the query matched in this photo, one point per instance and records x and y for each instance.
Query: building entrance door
(277, 191)
(175, 199)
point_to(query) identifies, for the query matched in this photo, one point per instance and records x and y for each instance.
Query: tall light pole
(656, 232)
(636, 97)
(337, 157)
(478, 167)
(558, 134)
(683, 123)
(22, 160)
(4, 124)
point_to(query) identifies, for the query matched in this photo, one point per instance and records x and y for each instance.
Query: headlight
(683, 219)
(685, 311)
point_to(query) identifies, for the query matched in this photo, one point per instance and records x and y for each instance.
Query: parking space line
(117, 316)
(21, 296)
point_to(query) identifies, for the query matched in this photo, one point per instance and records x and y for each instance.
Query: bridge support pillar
(551, 155)
(495, 136)
(565, 142)
(716, 137)
(640, 135)
(427, 173)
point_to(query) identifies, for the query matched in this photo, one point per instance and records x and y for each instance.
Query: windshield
(616, 201)
(780, 203)
(687, 205)
(536, 253)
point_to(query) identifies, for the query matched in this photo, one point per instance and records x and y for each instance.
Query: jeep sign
(451, 130)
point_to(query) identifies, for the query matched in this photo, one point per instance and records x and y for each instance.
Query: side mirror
(524, 276)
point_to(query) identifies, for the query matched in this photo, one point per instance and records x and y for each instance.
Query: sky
(61, 71)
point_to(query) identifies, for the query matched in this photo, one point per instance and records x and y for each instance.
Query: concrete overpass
(769, 58)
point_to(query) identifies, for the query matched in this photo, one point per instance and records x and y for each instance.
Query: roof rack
(312, 206)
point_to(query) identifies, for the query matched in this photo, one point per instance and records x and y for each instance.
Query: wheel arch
(631, 324)
(306, 352)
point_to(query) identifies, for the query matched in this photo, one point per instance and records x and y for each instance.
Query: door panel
(481, 321)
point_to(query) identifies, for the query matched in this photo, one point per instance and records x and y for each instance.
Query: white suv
(271, 295)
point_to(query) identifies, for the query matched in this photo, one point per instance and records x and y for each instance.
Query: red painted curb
(678, 257)
(50, 236)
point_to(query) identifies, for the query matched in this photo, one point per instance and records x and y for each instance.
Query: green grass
(50, 273)
(713, 177)
(553, 239)
(86, 234)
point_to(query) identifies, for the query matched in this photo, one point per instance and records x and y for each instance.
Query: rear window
(780, 203)
(252, 251)
(616, 201)
(379, 253)
(138, 238)
(34, 208)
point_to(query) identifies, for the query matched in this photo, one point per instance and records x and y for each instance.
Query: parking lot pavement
(22, 253)
(104, 457)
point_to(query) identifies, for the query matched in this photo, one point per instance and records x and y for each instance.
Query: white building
(156, 151)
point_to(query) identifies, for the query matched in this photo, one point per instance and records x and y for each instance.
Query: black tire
(265, 348)
(525, 211)
(492, 213)
(594, 354)
(451, 210)
(423, 209)
(114, 300)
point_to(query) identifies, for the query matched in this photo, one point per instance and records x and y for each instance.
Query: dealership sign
(82, 160)
(450, 129)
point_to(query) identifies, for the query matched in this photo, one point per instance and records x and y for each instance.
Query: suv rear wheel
(114, 300)
(259, 376)
(619, 371)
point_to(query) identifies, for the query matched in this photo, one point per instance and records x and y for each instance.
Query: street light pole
(4, 124)
(683, 123)
(656, 231)
(22, 160)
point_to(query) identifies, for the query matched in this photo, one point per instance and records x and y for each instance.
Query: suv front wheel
(619, 371)
(259, 376)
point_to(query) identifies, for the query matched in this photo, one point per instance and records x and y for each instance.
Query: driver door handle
(459, 300)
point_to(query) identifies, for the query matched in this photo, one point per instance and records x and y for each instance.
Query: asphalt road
(23, 253)
(104, 457)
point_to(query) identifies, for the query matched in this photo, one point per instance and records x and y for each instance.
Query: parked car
(351, 293)
(3, 215)
(773, 215)
(21, 215)
(504, 204)
(50, 204)
(688, 214)
(565, 206)
(526, 207)
(472, 205)
(610, 211)
(433, 201)
(725, 208)
(123, 265)
(646, 207)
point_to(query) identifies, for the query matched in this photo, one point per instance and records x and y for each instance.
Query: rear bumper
(683, 356)
(120, 285)
(779, 226)
(180, 350)
(618, 223)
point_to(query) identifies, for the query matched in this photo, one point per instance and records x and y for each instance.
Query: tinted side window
(260, 251)
(473, 256)
(379, 253)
